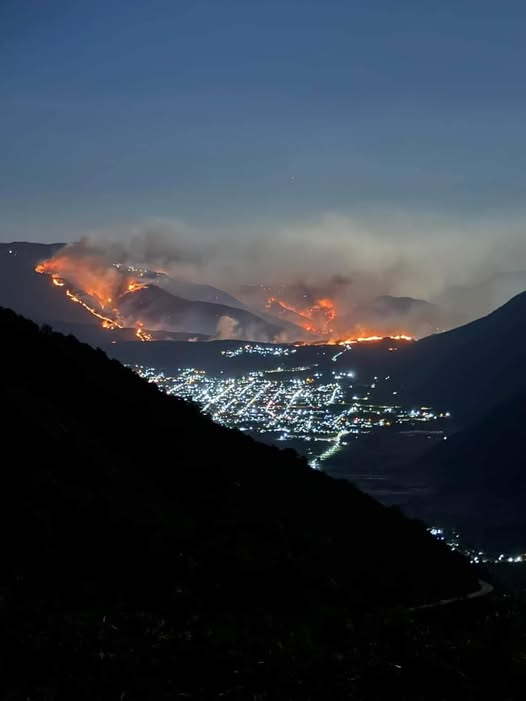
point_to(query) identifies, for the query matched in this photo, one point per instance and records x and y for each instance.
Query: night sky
(242, 116)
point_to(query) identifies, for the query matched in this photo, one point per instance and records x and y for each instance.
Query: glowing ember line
(314, 319)
(358, 339)
(134, 286)
(373, 339)
(141, 333)
(106, 322)
(320, 319)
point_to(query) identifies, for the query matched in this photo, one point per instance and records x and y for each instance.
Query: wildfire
(141, 334)
(323, 306)
(134, 285)
(98, 286)
(106, 322)
(318, 319)
(315, 319)
(375, 338)
(405, 338)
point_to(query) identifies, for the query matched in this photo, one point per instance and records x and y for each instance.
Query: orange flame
(375, 338)
(405, 338)
(96, 283)
(134, 285)
(93, 275)
(315, 319)
(141, 334)
(324, 306)
(107, 323)
(318, 319)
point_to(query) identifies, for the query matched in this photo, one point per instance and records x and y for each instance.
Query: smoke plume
(365, 267)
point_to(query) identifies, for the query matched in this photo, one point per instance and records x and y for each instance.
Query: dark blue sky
(236, 115)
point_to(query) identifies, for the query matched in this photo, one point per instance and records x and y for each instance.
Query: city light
(313, 407)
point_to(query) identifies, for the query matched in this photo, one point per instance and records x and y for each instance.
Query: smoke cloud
(227, 328)
(358, 263)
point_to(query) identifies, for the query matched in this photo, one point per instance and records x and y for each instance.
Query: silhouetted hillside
(148, 553)
(198, 292)
(473, 367)
(92, 406)
(160, 309)
(403, 314)
(479, 475)
(169, 356)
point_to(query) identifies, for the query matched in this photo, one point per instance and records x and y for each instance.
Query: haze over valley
(158, 285)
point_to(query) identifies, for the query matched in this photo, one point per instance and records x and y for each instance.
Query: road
(484, 589)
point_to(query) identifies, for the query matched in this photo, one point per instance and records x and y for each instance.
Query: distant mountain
(387, 314)
(142, 542)
(367, 359)
(197, 292)
(479, 478)
(387, 305)
(32, 294)
(158, 309)
(464, 303)
(471, 368)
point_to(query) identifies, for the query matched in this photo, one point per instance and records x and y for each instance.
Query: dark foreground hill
(148, 553)
(479, 478)
(473, 367)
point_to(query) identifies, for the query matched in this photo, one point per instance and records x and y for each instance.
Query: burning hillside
(315, 318)
(95, 286)
(123, 296)
(321, 319)
(332, 310)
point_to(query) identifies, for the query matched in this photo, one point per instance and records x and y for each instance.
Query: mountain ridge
(472, 367)
(32, 295)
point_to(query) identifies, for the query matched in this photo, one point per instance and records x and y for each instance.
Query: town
(316, 407)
